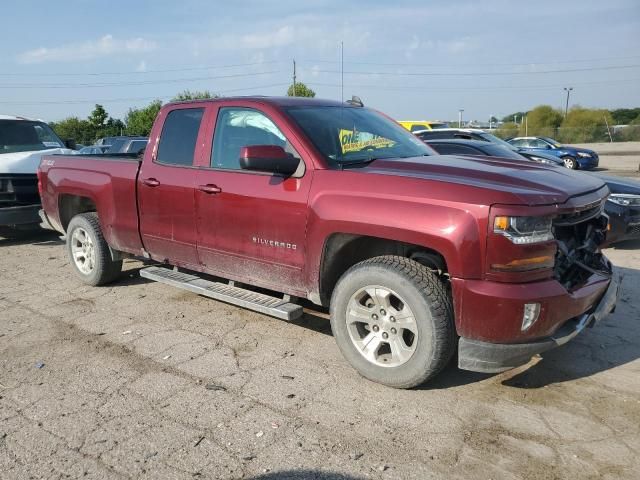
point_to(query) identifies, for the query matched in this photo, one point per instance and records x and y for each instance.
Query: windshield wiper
(355, 163)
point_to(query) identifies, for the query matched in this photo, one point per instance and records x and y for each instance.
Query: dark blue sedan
(573, 157)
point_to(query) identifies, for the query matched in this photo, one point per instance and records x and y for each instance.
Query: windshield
(552, 141)
(498, 141)
(26, 136)
(355, 134)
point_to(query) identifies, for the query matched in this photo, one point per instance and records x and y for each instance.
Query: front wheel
(570, 162)
(393, 321)
(89, 252)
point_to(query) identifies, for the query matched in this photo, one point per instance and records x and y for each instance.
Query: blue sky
(413, 60)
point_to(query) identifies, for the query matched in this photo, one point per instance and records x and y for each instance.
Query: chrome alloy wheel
(381, 326)
(84, 254)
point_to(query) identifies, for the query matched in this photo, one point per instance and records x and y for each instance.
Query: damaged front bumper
(485, 357)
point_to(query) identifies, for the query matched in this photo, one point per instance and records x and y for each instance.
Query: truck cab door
(166, 190)
(252, 225)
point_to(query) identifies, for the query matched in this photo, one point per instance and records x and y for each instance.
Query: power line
(427, 88)
(484, 64)
(167, 70)
(119, 84)
(130, 99)
(478, 74)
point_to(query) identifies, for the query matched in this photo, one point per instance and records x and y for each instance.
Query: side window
(519, 143)
(179, 136)
(416, 127)
(536, 143)
(243, 127)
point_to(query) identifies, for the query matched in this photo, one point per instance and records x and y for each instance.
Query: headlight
(584, 154)
(543, 160)
(625, 199)
(524, 230)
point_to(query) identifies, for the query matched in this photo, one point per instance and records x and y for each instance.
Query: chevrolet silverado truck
(23, 142)
(415, 255)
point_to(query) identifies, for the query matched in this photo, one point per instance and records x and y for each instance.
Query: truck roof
(280, 101)
(13, 117)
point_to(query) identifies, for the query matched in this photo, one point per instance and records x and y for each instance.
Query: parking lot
(141, 380)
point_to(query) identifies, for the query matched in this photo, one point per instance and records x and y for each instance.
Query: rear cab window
(179, 136)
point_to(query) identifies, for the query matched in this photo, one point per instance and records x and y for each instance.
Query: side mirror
(70, 143)
(268, 158)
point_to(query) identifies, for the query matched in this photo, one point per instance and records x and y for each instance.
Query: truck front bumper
(486, 357)
(20, 215)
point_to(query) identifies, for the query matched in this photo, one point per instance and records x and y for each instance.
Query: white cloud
(89, 50)
(281, 37)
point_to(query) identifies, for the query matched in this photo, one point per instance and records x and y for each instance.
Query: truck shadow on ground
(11, 237)
(628, 245)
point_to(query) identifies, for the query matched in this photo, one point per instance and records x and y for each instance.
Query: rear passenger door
(166, 189)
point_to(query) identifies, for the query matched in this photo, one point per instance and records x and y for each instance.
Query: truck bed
(107, 182)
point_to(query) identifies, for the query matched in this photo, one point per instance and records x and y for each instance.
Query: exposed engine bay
(579, 237)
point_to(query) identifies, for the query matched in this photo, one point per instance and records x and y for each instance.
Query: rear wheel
(570, 162)
(89, 252)
(393, 321)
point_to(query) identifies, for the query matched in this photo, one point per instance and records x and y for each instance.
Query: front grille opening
(578, 256)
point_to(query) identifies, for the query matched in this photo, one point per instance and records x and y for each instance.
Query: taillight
(39, 174)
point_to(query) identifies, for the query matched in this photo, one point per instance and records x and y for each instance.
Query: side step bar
(276, 307)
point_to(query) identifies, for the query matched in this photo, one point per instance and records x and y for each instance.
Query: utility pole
(490, 121)
(566, 108)
(294, 78)
(342, 71)
(460, 117)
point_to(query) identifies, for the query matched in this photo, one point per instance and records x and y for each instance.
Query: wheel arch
(343, 250)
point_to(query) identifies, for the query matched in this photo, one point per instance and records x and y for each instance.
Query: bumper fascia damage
(486, 357)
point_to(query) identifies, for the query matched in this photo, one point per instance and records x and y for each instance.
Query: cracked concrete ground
(140, 380)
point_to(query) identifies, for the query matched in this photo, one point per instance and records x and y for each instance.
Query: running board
(276, 307)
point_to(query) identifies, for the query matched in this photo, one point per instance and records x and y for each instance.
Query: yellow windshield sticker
(354, 141)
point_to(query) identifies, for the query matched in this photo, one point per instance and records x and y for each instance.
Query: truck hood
(27, 162)
(518, 182)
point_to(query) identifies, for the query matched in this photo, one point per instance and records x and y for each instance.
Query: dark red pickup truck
(415, 254)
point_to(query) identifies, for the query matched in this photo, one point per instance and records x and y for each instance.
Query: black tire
(570, 162)
(105, 270)
(428, 297)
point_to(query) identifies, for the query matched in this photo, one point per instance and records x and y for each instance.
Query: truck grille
(579, 234)
(18, 189)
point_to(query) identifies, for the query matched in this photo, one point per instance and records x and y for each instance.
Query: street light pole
(460, 118)
(566, 108)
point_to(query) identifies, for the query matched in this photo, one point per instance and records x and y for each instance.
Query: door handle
(209, 189)
(151, 182)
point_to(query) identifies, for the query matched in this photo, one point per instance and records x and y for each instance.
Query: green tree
(140, 120)
(584, 125)
(511, 118)
(195, 95)
(113, 127)
(98, 117)
(507, 130)
(624, 116)
(543, 121)
(301, 90)
(74, 128)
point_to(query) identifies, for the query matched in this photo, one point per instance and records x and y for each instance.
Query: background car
(94, 150)
(416, 125)
(121, 144)
(622, 206)
(572, 157)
